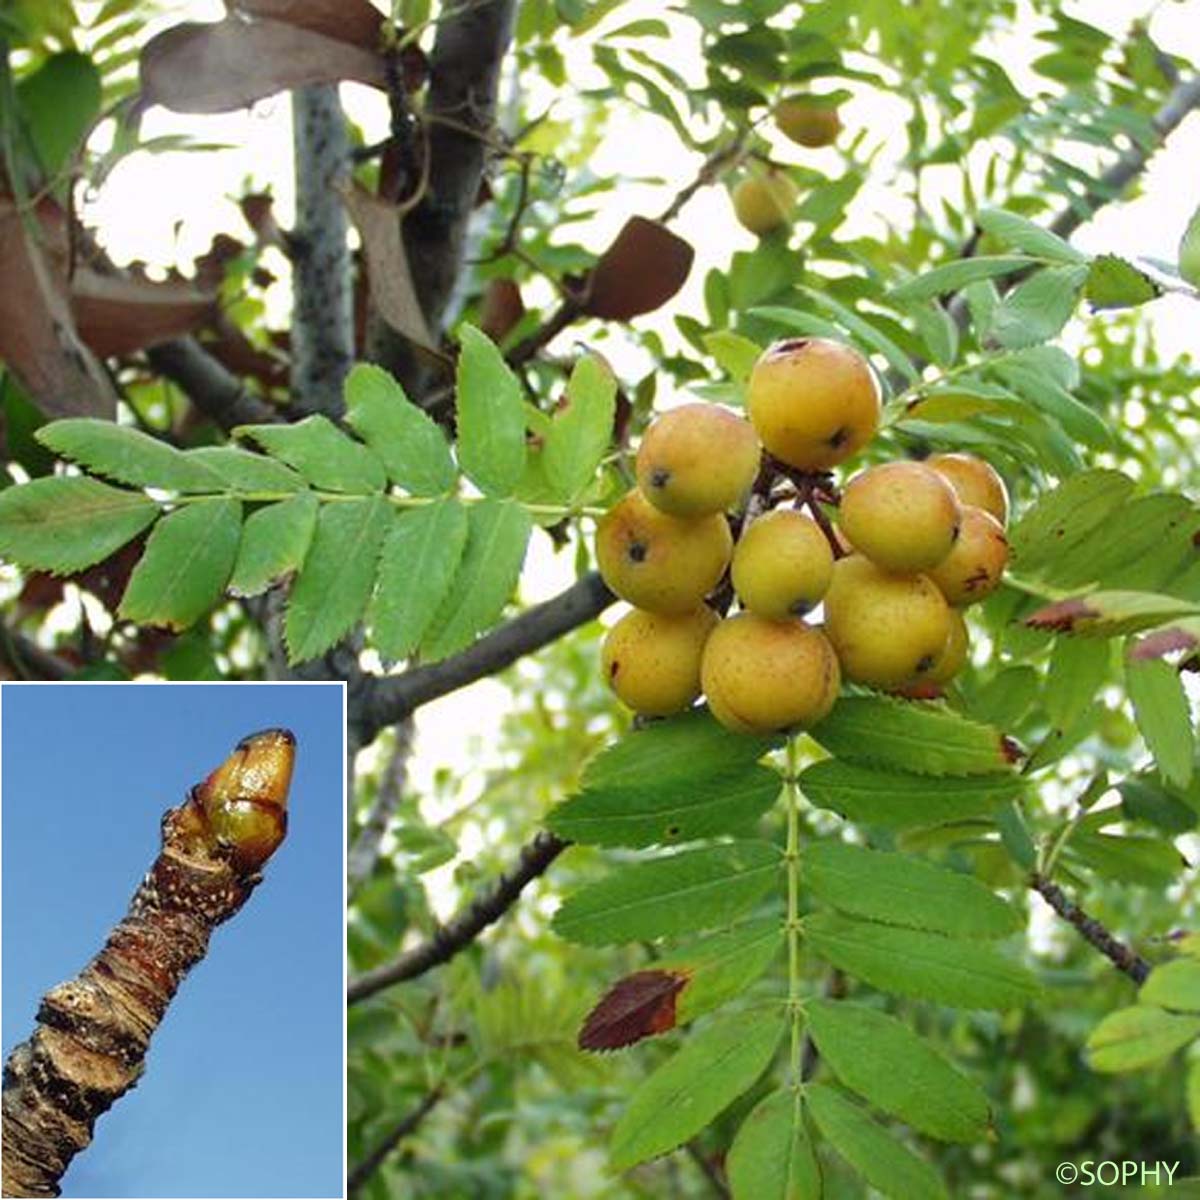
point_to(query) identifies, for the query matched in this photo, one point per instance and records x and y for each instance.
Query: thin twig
(1093, 931)
(392, 1139)
(387, 699)
(712, 1173)
(364, 853)
(461, 930)
(216, 392)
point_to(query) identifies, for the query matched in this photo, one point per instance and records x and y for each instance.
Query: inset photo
(173, 949)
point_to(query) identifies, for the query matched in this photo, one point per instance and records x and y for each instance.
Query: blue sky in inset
(242, 1094)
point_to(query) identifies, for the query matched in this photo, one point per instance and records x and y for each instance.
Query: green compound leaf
(331, 591)
(674, 781)
(420, 558)
(682, 893)
(1174, 985)
(1114, 282)
(1036, 311)
(322, 453)
(1027, 236)
(927, 965)
(246, 472)
(127, 455)
(491, 416)
(497, 536)
(900, 800)
(712, 1070)
(1164, 717)
(1065, 516)
(580, 432)
(1139, 1036)
(882, 1060)
(682, 986)
(898, 889)
(64, 524)
(955, 275)
(928, 739)
(870, 1149)
(275, 541)
(410, 444)
(1142, 861)
(772, 1156)
(186, 564)
(722, 965)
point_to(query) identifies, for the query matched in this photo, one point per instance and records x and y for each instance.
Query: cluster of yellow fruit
(763, 200)
(915, 542)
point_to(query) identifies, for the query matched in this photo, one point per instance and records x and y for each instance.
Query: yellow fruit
(888, 630)
(658, 562)
(806, 123)
(760, 675)
(954, 653)
(698, 459)
(813, 401)
(782, 565)
(972, 570)
(901, 515)
(763, 204)
(652, 661)
(975, 481)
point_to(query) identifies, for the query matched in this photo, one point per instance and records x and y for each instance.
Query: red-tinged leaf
(636, 1007)
(392, 291)
(1110, 613)
(117, 315)
(230, 64)
(501, 309)
(643, 268)
(1182, 637)
(38, 339)
(258, 211)
(355, 21)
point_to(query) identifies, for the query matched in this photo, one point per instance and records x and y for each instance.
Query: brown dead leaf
(501, 309)
(391, 285)
(355, 21)
(118, 315)
(230, 64)
(643, 268)
(1061, 616)
(38, 339)
(636, 1007)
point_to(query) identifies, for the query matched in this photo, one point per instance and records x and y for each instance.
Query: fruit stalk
(94, 1030)
(791, 795)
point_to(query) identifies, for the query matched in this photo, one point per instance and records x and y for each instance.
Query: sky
(243, 1089)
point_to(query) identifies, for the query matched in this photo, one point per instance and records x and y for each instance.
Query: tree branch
(1120, 955)
(323, 314)
(364, 852)
(216, 392)
(387, 699)
(27, 660)
(392, 1139)
(461, 930)
(1183, 99)
(459, 112)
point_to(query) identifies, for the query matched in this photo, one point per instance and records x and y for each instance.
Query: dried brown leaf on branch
(355, 21)
(118, 315)
(217, 67)
(391, 285)
(38, 338)
(636, 1007)
(643, 268)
